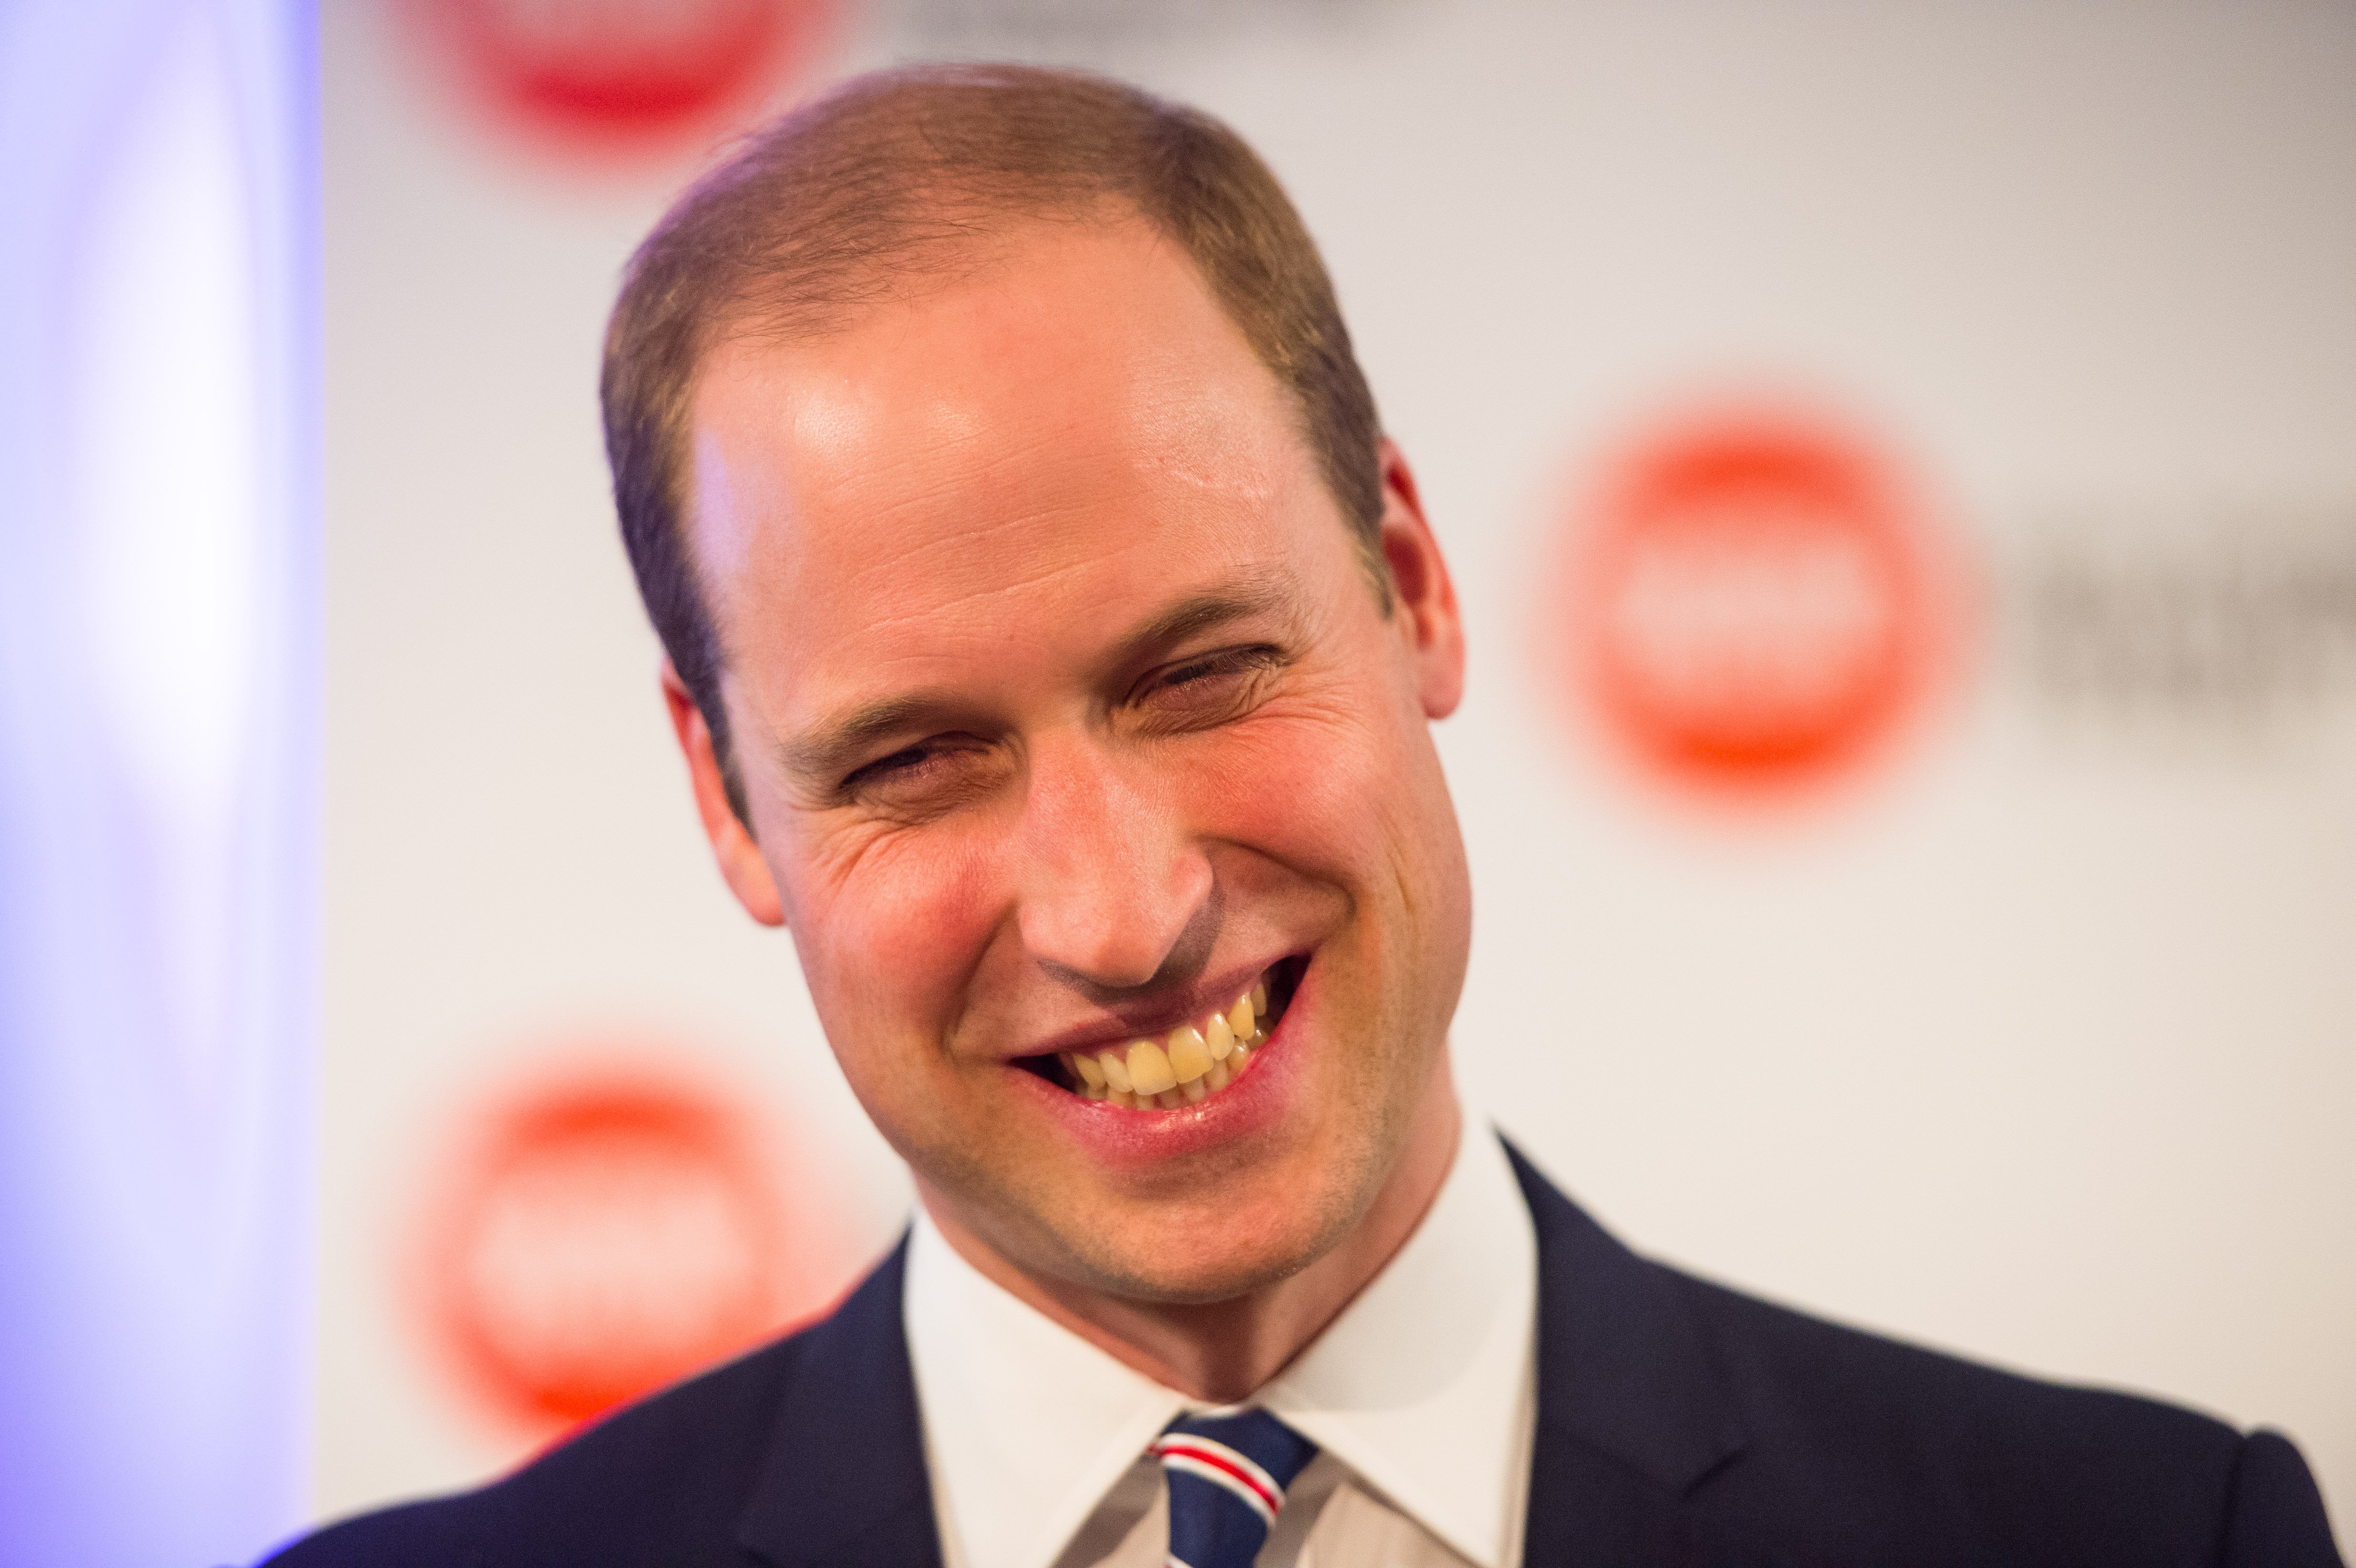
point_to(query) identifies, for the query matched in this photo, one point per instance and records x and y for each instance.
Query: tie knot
(1226, 1477)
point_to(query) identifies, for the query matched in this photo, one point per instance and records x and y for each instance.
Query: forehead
(1071, 428)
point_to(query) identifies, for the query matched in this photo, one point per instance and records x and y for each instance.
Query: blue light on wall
(159, 653)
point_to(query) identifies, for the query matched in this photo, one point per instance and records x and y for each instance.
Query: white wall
(2042, 1048)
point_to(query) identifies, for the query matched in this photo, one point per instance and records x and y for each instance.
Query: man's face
(1067, 715)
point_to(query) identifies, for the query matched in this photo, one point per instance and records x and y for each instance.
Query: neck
(1221, 1351)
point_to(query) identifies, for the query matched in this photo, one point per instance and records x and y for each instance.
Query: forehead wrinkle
(1204, 438)
(1001, 492)
(1004, 462)
(1250, 589)
(916, 556)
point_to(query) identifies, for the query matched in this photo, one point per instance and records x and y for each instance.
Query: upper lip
(1118, 1023)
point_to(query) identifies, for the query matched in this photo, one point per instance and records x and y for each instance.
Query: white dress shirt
(1421, 1398)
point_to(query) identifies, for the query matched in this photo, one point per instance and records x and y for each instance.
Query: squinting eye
(898, 762)
(902, 766)
(928, 778)
(1235, 661)
(1203, 693)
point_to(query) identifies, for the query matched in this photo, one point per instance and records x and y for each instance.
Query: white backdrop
(2042, 1048)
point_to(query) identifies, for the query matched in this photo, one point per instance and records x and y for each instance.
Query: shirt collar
(1423, 1386)
(1426, 1384)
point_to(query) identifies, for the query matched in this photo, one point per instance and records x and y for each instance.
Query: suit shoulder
(1822, 1377)
(1889, 1436)
(662, 1481)
(1723, 1428)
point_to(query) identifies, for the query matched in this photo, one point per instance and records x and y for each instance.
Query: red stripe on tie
(1202, 1470)
(1226, 1460)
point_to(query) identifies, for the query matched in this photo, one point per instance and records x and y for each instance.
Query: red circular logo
(623, 77)
(608, 1234)
(1754, 605)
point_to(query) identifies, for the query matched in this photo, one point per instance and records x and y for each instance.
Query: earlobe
(1424, 599)
(741, 865)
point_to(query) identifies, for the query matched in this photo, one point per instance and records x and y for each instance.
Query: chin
(1197, 1282)
(1205, 1253)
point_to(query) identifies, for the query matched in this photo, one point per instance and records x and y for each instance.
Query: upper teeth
(1189, 1062)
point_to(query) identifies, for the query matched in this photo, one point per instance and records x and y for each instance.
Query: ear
(1424, 600)
(731, 843)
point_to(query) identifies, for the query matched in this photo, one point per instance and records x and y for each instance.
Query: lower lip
(1125, 1139)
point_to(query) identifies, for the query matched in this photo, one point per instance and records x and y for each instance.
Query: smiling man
(1052, 643)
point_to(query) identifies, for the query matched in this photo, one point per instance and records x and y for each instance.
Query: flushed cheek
(1318, 794)
(890, 939)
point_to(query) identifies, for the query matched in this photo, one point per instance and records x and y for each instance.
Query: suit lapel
(1631, 1411)
(844, 1480)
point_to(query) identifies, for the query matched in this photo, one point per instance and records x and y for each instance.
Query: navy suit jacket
(1679, 1423)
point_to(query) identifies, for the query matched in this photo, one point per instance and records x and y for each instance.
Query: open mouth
(1186, 1066)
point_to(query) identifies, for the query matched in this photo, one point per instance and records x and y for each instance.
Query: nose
(1115, 896)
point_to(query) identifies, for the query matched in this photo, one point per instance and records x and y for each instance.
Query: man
(1053, 641)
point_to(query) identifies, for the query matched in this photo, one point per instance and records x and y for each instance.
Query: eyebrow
(819, 754)
(1254, 594)
(816, 755)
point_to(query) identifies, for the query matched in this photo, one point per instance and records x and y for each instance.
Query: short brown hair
(895, 175)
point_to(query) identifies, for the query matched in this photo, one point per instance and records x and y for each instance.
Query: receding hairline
(1000, 249)
(972, 231)
(986, 248)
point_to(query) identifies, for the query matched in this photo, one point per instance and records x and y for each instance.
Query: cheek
(1328, 792)
(889, 936)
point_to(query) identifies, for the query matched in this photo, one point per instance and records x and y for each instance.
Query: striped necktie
(1226, 1475)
